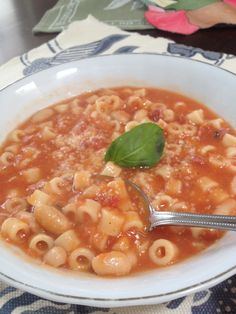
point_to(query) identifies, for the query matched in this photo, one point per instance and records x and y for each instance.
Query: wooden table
(17, 18)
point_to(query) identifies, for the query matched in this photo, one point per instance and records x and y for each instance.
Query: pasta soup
(56, 210)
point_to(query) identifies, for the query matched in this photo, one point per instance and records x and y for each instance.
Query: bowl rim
(168, 296)
(132, 300)
(117, 54)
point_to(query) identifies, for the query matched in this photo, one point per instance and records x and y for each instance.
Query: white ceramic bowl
(208, 84)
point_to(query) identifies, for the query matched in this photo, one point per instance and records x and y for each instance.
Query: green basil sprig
(142, 146)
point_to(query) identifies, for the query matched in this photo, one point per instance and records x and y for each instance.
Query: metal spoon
(161, 218)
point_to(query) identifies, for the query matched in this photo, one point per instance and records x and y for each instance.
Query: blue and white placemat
(79, 41)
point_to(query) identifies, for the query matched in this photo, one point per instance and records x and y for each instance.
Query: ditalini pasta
(54, 206)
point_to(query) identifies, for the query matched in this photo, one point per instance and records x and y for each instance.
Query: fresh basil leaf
(142, 146)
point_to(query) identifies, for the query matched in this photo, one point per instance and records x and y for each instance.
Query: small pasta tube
(120, 116)
(89, 110)
(90, 208)
(189, 129)
(15, 229)
(218, 195)
(175, 128)
(107, 103)
(119, 188)
(7, 158)
(228, 207)
(229, 140)
(231, 152)
(162, 201)
(196, 116)
(55, 257)
(31, 152)
(173, 186)
(51, 219)
(41, 243)
(134, 101)
(81, 259)
(162, 252)
(68, 240)
(75, 107)
(47, 133)
(91, 191)
(38, 198)
(218, 161)
(111, 170)
(164, 171)
(206, 149)
(116, 125)
(24, 163)
(113, 263)
(45, 124)
(15, 204)
(61, 108)
(91, 99)
(81, 180)
(42, 115)
(32, 175)
(132, 221)
(55, 186)
(12, 148)
(233, 186)
(110, 222)
(168, 115)
(141, 92)
(140, 115)
(216, 123)
(16, 135)
(232, 165)
(172, 149)
(206, 184)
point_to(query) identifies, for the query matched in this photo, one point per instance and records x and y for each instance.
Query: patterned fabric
(126, 14)
(110, 40)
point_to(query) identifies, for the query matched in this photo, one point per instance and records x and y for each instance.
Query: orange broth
(81, 132)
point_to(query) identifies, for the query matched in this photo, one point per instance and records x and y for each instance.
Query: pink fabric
(231, 2)
(175, 22)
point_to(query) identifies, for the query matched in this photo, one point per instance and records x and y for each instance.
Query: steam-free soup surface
(54, 208)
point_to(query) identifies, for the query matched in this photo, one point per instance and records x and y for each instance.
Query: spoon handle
(223, 222)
